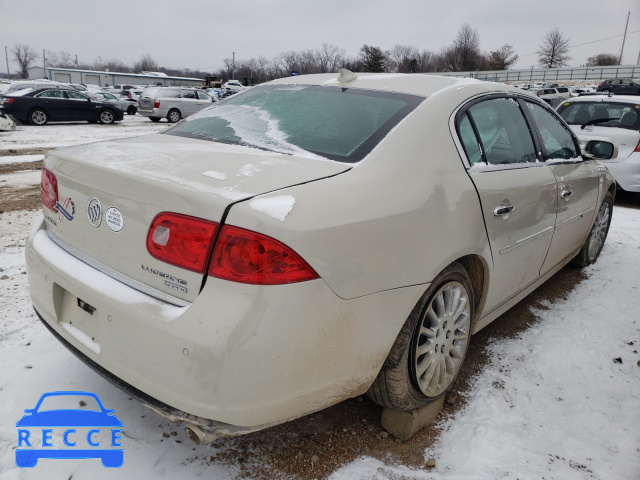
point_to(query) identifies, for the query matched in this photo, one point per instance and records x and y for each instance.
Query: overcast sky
(199, 34)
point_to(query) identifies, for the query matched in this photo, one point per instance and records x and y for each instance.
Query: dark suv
(620, 86)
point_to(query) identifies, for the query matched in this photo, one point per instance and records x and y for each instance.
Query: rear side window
(188, 94)
(168, 93)
(202, 95)
(335, 123)
(504, 134)
(603, 114)
(51, 94)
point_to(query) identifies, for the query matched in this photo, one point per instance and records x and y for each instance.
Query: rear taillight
(248, 257)
(130, 96)
(156, 104)
(48, 189)
(637, 148)
(7, 100)
(181, 240)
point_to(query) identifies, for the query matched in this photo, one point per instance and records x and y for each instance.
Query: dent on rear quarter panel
(397, 219)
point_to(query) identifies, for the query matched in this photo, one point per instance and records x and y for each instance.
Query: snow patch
(216, 175)
(249, 170)
(274, 207)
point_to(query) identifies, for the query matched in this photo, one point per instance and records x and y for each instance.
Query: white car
(6, 123)
(309, 240)
(234, 85)
(616, 119)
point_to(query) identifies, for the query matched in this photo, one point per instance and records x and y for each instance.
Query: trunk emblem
(67, 209)
(94, 212)
(114, 219)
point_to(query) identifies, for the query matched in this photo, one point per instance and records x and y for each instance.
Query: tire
(597, 236)
(107, 117)
(154, 119)
(430, 349)
(38, 117)
(174, 116)
(131, 110)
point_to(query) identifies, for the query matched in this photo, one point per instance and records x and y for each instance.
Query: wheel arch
(477, 269)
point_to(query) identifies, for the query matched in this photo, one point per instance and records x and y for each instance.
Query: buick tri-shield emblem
(94, 212)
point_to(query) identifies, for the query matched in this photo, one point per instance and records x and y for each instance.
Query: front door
(577, 192)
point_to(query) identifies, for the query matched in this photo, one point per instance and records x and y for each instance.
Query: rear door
(56, 104)
(516, 190)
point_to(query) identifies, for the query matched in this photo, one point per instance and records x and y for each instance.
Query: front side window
(505, 137)
(558, 143)
(335, 123)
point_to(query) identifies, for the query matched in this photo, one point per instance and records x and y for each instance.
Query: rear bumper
(242, 355)
(154, 112)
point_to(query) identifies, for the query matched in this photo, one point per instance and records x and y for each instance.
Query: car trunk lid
(110, 192)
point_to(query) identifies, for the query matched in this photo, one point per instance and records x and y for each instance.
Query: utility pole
(624, 37)
(6, 55)
(44, 63)
(76, 61)
(233, 67)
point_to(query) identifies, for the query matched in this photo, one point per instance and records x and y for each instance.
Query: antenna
(346, 76)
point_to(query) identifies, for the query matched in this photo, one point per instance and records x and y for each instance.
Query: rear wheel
(38, 117)
(131, 110)
(597, 236)
(173, 116)
(430, 349)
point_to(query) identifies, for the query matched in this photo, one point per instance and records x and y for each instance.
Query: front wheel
(595, 241)
(173, 116)
(429, 351)
(38, 117)
(154, 119)
(107, 117)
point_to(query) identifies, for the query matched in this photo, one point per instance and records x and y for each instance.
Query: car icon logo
(69, 433)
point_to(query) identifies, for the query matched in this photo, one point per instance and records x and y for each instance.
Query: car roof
(414, 84)
(606, 98)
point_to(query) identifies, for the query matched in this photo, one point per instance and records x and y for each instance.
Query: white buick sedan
(310, 240)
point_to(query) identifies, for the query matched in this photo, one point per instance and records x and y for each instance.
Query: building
(108, 79)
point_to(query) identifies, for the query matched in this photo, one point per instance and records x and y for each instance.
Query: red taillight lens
(637, 148)
(248, 257)
(156, 104)
(8, 100)
(181, 240)
(48, 189)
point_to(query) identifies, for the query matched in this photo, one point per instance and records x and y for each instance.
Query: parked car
(309, 240)
(126, 104)
(6, 124)
(620, 86)
(234, 86)
(554, 95)
(34, 84)
(172, 103)
(43, 105)
(616, 119)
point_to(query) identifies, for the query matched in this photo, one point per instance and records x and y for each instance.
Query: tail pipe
(199, 436)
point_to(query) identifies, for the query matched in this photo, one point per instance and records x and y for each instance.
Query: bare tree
(502, 58)
(145, 64)
(554, 50)
(447, 60)
(24, 56)
(403, 59)
(426, 61)
(330, 58)
(111, 65)
(307, 62)
(467, 47)
(286, 62)
(602, 60)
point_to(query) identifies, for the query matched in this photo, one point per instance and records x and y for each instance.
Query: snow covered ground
(561, 401)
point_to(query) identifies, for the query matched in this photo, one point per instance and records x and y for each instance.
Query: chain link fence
(552, 74)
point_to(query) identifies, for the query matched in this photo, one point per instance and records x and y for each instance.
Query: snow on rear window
(335, 123)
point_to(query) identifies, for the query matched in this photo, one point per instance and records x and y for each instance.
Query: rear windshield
(335, 123)
(603, 114)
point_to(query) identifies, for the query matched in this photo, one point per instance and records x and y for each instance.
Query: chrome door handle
(566, 194)
(501, 210)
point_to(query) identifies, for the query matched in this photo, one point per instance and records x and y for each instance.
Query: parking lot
(569, 411)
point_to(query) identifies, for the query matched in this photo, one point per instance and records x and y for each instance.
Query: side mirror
(600, 150)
